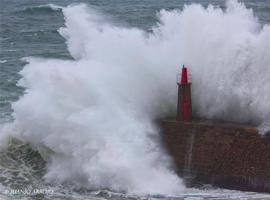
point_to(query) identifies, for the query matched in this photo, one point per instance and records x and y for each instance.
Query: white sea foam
(54, 7)
(3, 61)
(97, 111)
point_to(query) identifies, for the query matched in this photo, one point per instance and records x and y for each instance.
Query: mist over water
(97, 112)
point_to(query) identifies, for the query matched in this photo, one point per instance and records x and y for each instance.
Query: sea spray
(227, 54)
(96, 112)
(229, 60)
(101, 139)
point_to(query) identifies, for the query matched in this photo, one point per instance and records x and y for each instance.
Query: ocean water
(81, 83)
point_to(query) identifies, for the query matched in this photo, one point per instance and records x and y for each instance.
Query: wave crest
(44, 8)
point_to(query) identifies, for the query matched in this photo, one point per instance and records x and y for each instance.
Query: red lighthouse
(184, 105)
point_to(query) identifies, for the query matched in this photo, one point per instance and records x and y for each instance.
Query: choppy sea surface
(30, 28)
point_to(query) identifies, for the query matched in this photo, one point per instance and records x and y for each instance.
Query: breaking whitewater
(84, 128)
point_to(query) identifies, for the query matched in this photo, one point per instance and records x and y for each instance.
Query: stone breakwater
(222, 154)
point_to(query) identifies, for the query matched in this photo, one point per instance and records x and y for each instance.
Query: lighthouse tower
(184, 104)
